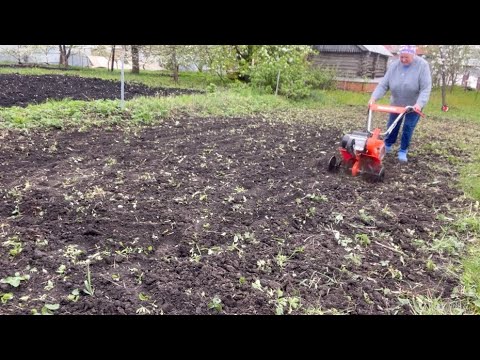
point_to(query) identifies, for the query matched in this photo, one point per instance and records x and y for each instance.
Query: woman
(410, 82)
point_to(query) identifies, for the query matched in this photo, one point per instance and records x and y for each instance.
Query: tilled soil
(21, 90)
(214, 216)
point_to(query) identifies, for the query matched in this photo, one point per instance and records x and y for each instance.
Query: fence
(78, 57)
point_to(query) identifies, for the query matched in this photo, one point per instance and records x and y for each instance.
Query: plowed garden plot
(21, 90)
(213, 216)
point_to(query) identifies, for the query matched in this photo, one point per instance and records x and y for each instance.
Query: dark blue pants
(410, 120)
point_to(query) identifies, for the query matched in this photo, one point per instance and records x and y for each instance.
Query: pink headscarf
(408, 49)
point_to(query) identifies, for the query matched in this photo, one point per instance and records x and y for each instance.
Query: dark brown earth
(21, 90)
(214, 216)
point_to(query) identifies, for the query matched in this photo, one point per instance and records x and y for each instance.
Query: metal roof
(380, 49)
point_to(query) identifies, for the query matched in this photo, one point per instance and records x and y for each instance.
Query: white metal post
(278, 81)
(122, 82)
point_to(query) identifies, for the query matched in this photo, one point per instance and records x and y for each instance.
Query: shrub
(322, 78)
(293, 81)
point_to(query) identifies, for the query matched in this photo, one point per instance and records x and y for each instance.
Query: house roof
(378, 49)
(394, 49)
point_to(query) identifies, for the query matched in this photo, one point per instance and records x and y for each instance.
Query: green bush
(211, 88)
(322, 78)
(296, 80)
(293, 81)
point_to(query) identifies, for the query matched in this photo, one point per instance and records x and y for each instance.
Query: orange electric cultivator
(363, 152)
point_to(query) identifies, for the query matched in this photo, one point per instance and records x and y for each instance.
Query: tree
(174, 65)
(284, 68)
(113, 58)
(200, 57)
(245, 56)
(65, 52)
(447, 62)
(238, 61)
(135, 59)
(21, 53)
(148, 54)
(107, 51)
(221, 60)
(46, 50)
(174, 56)
(448, 59)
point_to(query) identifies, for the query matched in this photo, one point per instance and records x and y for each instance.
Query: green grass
(471, 278)
(464, 105)
(428, 305)
(59, 114)
(470, 178)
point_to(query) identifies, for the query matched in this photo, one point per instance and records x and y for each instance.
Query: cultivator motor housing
(362, 152)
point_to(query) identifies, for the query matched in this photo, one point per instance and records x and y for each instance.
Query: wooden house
(358, 67)
(353, 60)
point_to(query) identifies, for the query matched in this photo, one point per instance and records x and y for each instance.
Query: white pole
(278, 80)
(122, 82)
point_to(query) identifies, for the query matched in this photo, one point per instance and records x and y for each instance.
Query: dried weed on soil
(208, 216)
